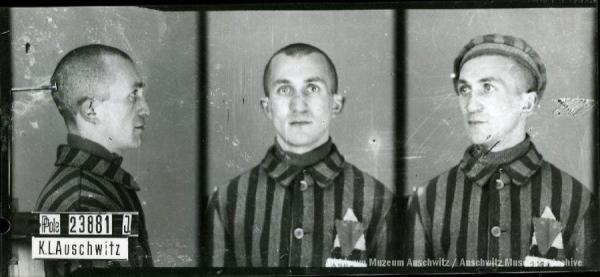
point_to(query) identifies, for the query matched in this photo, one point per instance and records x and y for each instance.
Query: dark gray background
(564, 38)
(164, 47)
(361, 45)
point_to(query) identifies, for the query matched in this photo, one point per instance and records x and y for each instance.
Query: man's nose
(298, 103)
(473, 103)
(143, 108)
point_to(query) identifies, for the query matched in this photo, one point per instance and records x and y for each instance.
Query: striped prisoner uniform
(281, 214)
(484, 208)
(88, 178)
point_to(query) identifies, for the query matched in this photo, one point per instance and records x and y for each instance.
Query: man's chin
(133, 144)
(300, 143)
(296, 137)
(480, 138)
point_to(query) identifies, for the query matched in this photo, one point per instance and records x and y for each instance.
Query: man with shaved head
(99, 93)
(504, 204)
(304, 205)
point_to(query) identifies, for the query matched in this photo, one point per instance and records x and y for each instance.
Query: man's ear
(87, 112)
(529, 101)
(265, 106)
(338, 103)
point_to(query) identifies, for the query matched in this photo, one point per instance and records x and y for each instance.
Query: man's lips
(300, 122)
(475, 121)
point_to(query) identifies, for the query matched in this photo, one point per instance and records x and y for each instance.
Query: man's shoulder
(552, 175)
(235, 181)
(63, 185)
(68, 185)
(438, 182)
(367, 179)
(64, 174)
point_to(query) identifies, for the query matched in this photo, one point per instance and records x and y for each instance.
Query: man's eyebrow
(488, 79)
(492, 79)
(483, 80)
(281, 81)
(139, 85)
(315, 79)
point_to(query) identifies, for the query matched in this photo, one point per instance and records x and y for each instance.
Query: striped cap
(513, 47)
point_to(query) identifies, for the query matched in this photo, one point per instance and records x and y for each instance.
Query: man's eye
(464, 90)
(487, 88)
(312, 89)
(133, 96)
(285, 90)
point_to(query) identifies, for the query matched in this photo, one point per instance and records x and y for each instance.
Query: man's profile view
(304, 205)
(99, 94)
(503, 202)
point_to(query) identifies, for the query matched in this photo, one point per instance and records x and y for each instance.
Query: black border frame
(228, 5)
(5, 135)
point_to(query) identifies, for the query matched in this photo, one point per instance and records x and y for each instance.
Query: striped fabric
(476, 212)
(280, 215)
(85, 182)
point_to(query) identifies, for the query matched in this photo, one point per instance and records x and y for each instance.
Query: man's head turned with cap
(99, 93)
(499, 80)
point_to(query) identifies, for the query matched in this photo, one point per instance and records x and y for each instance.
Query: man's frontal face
(490, 96)
(122, 116)
(300, 100)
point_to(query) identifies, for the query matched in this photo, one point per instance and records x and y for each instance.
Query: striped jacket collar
(323, 172)
(70, 156)
(478, 170)
(93, 148)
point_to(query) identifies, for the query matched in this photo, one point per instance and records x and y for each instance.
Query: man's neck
(91, 146)
(506, 142)
(305, 159)
(91, 135)
(505, 156)
(300, 149)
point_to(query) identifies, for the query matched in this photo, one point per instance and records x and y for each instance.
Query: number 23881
(90, 224)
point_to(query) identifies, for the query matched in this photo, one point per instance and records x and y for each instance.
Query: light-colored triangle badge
(350, 216)
(558, 242)
(361, 243)
(548, 213)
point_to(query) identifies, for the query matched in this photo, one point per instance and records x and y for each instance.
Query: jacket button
(298, 233)
(303, 185)
(496, 231)
(499, 184)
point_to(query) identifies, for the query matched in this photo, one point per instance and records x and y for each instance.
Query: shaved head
(83, 74)
(299, 50)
